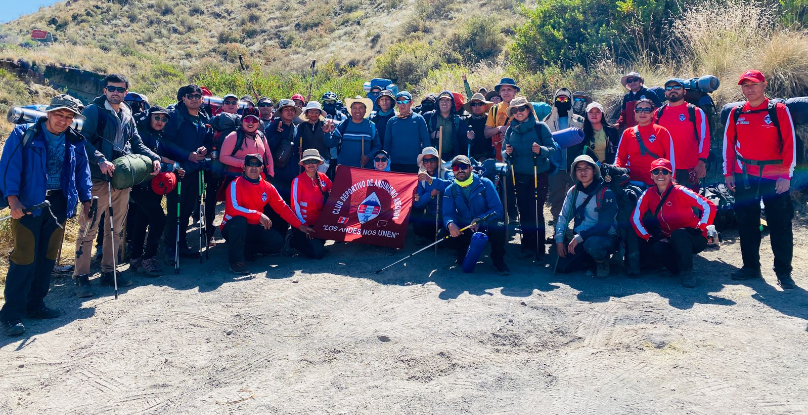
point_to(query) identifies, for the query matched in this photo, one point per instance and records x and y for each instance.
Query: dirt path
(420, 338)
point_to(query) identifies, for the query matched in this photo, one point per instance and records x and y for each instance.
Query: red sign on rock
(39, 34)
(368, 206)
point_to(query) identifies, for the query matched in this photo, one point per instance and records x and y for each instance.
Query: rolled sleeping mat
(569, 137)
(131, 170)
(476, 247)
(798, 107)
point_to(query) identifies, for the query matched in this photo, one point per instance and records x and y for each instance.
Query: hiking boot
(135, 263)
(186, 252)
(501, 268)
(747, 274)
(43, 313)
(239, 268)
(786, 282)
(169, 256)
(13, 328)
(287, 244)
(602, 270)
(83, 289)
(688, 279)
(151, 268)
(108, 280)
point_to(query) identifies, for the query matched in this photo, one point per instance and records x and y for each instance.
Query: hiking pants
(311, 248)
(559, 184)
(676, 252)
(594, 249)
(188, 200)
(212, 187)
(684, 178)
(245, 239)
(120, 206)
(779, 212)
(149, 214)
(284, 189)
(529, 209)
(36, 242)
(496, 239)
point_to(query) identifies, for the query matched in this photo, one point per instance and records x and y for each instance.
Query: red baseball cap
(298, 97)
(164, 183)
(662, 164)
(753, 75)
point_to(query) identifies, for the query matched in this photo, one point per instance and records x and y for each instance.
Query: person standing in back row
(405, 136)
(690, 132)
(759, 160)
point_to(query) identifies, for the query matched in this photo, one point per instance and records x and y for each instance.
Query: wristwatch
(101, 160)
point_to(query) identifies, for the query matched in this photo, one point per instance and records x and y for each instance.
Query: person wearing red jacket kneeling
(245, 226)
(665, 217)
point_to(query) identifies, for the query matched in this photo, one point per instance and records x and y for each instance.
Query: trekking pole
(363, 152)
(468, 146)
(505, 199)
(201, 226)
(311, 78)
(483, 219)
(112, 237)
(536, 199)
(43, 205)
(92, 215)
(177, 241)
(437, 173)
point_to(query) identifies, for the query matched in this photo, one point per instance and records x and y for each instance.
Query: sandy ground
(423, 337)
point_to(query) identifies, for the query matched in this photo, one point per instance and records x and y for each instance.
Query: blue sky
(12, 9)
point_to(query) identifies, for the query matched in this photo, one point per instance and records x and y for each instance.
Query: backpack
(725, 201)
(691, 112)
(26, 138)
(771, 109)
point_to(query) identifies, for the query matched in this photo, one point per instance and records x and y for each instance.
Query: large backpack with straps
(30, 132)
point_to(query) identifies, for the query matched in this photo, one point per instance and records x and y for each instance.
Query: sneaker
(501, 268)
(13, 328)
(602, 270)
(169, 256)
(747, 274)
(83, 289)
(151, 268)
(239, 268)
(43, 313)
(786, 282)
(186, 252)
(108, 280)
(688, 279)
(135, 263)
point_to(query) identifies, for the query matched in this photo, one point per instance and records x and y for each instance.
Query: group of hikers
(631, 188)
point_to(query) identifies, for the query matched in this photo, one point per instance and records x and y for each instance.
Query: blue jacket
(405, 137)
(24, 169)
(348, 137)
(183, 137)
(483, 199)
(424, 190)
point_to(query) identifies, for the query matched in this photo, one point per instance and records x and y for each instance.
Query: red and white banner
(368, 206)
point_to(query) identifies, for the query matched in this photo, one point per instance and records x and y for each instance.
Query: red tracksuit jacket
(677, 213)
(657, 139)
(689, 147)
(307, 199)
(755, 137)
(248, 200)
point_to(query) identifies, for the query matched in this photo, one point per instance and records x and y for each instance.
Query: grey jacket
(119, 137)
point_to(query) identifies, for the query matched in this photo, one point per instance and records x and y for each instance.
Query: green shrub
(478, 38)
(407, 63)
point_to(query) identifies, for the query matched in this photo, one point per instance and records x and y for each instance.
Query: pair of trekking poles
(202, 223)
(539, 238)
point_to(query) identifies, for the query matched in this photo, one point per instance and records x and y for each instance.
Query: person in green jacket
(529, 149)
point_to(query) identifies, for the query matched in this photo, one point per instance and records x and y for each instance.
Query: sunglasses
(255, 164)
(430, 160)
(230, 102)
(460, 166)
(477, 104)
(249, 120)
(579, 99)
(307, 162)
(673, 87)
(643, 110)
(657, 172)
(403, 101)
(630, 80)
(380, 159)
(264, 104)
(562, 98)
(329, 102)
(160, 119)
(193, 96)
(116, 88)
(522, 108)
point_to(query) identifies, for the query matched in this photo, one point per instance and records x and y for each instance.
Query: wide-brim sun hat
(631, 75)
(478, 97)
(585, 159)
(364, 101)
(67, 102)
(428, 151)
(506, 82)
(519, 102)
(311, 154)
(284, 103)
(312, 105)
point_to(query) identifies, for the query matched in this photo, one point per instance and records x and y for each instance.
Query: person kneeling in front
(468, 199)
(674, 230)
(593, 207)
(245, 227)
